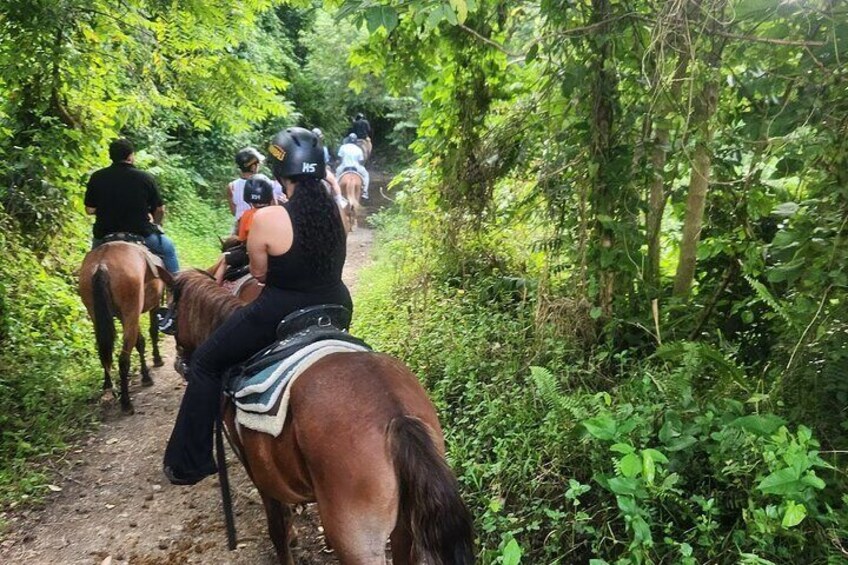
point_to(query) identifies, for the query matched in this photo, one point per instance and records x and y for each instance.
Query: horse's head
(200, 306)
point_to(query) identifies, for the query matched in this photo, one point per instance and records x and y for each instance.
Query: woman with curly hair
(298, 251)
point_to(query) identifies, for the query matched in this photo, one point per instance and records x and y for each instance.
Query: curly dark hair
(315, 217)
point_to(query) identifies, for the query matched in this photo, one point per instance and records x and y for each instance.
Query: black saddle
(297, 330)
(121, 236)
(237, 262)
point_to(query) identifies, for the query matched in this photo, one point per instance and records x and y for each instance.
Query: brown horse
(351, 186)
(362, 439)
(116, 281)
(365, 145)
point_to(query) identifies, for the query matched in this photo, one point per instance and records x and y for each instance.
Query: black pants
(247, 331)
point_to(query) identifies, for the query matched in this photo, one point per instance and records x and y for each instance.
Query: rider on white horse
(352, 159)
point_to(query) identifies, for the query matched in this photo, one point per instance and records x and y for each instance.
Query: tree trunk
(656, 207)
(696, 198)
(603, 202)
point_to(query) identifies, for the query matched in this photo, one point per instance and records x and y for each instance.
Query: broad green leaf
(760, 424)
(641, 530)
(649, 467)
(656, 455)
(624, 486)
(681, 443)
(794, 515)
(381, 16)
(602, 426)
(810, 479)
(630, 465)
(623, 448)
(511, 553)
(783, 481)
(461, 10)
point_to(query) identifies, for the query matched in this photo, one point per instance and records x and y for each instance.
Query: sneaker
(166, 322)
(365, 196)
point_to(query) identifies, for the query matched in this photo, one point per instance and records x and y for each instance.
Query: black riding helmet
(248, 157)
(297, 152)
(258, 190)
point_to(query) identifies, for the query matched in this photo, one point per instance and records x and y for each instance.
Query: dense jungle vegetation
(616, 256)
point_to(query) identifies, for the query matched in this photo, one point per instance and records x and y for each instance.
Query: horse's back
(340, 411)
(359, 391)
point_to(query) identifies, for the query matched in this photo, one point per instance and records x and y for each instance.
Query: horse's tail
(104, 316)
(441, 526)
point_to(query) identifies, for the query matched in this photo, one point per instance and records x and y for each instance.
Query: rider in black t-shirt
(361, 127)
(123, 199)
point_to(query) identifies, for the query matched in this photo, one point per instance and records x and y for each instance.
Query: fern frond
(768, 298)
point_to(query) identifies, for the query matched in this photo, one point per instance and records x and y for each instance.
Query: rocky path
(112, 505)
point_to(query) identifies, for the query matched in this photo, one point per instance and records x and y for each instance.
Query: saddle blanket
(235, 286)
(353, 170)
(262, 399)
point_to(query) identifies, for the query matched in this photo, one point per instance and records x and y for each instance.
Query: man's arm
(155, 206)
(230, 198)
(89, 200)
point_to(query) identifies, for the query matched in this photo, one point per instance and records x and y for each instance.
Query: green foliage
(674, 460)
(189, 83)
(43, 398)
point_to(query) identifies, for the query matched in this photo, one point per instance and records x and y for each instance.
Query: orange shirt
(244, 224)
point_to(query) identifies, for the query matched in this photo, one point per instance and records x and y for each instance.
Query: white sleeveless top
(237, 195)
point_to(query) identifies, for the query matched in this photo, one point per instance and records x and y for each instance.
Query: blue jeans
(159, 244)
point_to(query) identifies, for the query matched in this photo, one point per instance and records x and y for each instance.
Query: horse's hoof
(108, 395)
(146, 381)
(127, 409)
(158, 363)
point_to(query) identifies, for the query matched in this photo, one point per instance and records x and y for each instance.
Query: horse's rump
(120, 280)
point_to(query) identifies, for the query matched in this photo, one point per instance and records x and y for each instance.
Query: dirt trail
(115, 506)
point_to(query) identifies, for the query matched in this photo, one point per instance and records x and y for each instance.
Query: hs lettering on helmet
(309, 167)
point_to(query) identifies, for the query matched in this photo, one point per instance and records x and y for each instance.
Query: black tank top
(296, 270)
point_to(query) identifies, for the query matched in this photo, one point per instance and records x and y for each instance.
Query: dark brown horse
(362, 439)
(116, 281)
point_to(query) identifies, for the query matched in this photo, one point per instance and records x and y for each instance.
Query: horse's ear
(165, 275)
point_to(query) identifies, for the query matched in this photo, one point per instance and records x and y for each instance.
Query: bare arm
(270, 234)
(230, 198)
(257, 249)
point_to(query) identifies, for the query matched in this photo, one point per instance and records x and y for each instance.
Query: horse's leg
(107, 376)
(145, 371)
(130, 339)
(154, 339)
(357, 529)
(279, 523)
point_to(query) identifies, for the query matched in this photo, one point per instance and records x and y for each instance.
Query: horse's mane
(202, 306)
